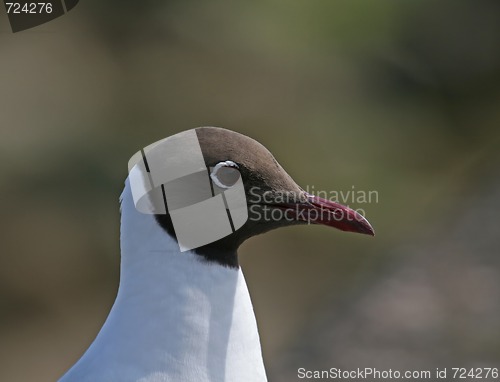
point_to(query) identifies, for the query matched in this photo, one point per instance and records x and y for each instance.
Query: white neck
(176, 317)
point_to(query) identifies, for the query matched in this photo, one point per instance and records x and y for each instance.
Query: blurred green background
(400, 97)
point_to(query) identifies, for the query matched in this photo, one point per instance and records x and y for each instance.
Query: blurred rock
(437, 304)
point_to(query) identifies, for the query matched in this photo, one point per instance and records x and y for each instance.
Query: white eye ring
(223, 165)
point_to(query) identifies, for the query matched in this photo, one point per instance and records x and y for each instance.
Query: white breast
(176, 317)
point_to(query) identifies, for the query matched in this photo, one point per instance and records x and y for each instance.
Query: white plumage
(177, 317)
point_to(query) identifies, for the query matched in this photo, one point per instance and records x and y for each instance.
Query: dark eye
(225, 174)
